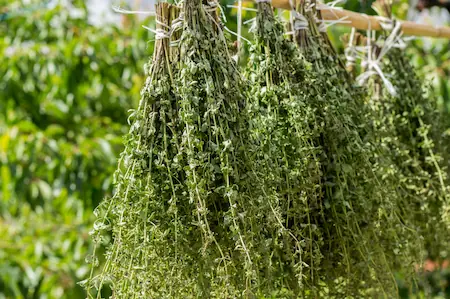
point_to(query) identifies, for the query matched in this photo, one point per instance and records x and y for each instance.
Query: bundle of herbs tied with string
(364, 240)
(217, 230)
(409, 125)
(142, 215)
(283, 129)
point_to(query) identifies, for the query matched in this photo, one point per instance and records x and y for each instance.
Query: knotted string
(350, 51)
(160, 33)
(298, 21)
(374, 65)
(324, 24)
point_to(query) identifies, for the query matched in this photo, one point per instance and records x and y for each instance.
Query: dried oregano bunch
(408, 124)
(365, 241)
(283, 128)
(142, 215)
(410, 128)
(222, 228)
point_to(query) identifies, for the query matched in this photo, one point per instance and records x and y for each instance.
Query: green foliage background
(65, 93)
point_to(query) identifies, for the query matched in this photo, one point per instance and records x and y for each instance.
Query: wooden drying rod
(364, 22)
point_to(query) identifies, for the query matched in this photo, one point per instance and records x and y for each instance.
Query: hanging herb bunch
(142, 214)
(410, 127)
(364, 237)
(284, 128)
(221, 227)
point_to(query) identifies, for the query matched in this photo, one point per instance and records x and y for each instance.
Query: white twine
(333, 4)
(160, 33)
(248, 8)
(350, 52)
(118, 9)
(324, 24)
(402, 42)
(398, 41)
(235, 34)
(386, 23)
(331, 7)
(252, 20)
(391, 40)
(176, 25)
(373, 65)
(239, 28)
(298, 21)
(291, 17)
(322, 27)
(310, 6)
(210, 6)
(240, 9)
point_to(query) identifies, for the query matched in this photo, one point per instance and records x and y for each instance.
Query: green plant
(411, 128)
(365, 239)
(284, 128)
(142, 214)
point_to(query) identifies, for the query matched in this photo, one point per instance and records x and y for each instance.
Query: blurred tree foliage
(433, 61)
(430, 57)
(64, 95)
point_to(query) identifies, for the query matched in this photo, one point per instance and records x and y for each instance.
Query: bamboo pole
(365, 22)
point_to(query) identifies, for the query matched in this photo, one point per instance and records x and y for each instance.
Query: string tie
(160, 33)
(324, 24)
(210, 6)
(299, 21)
(373, 65)
(350, 51)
